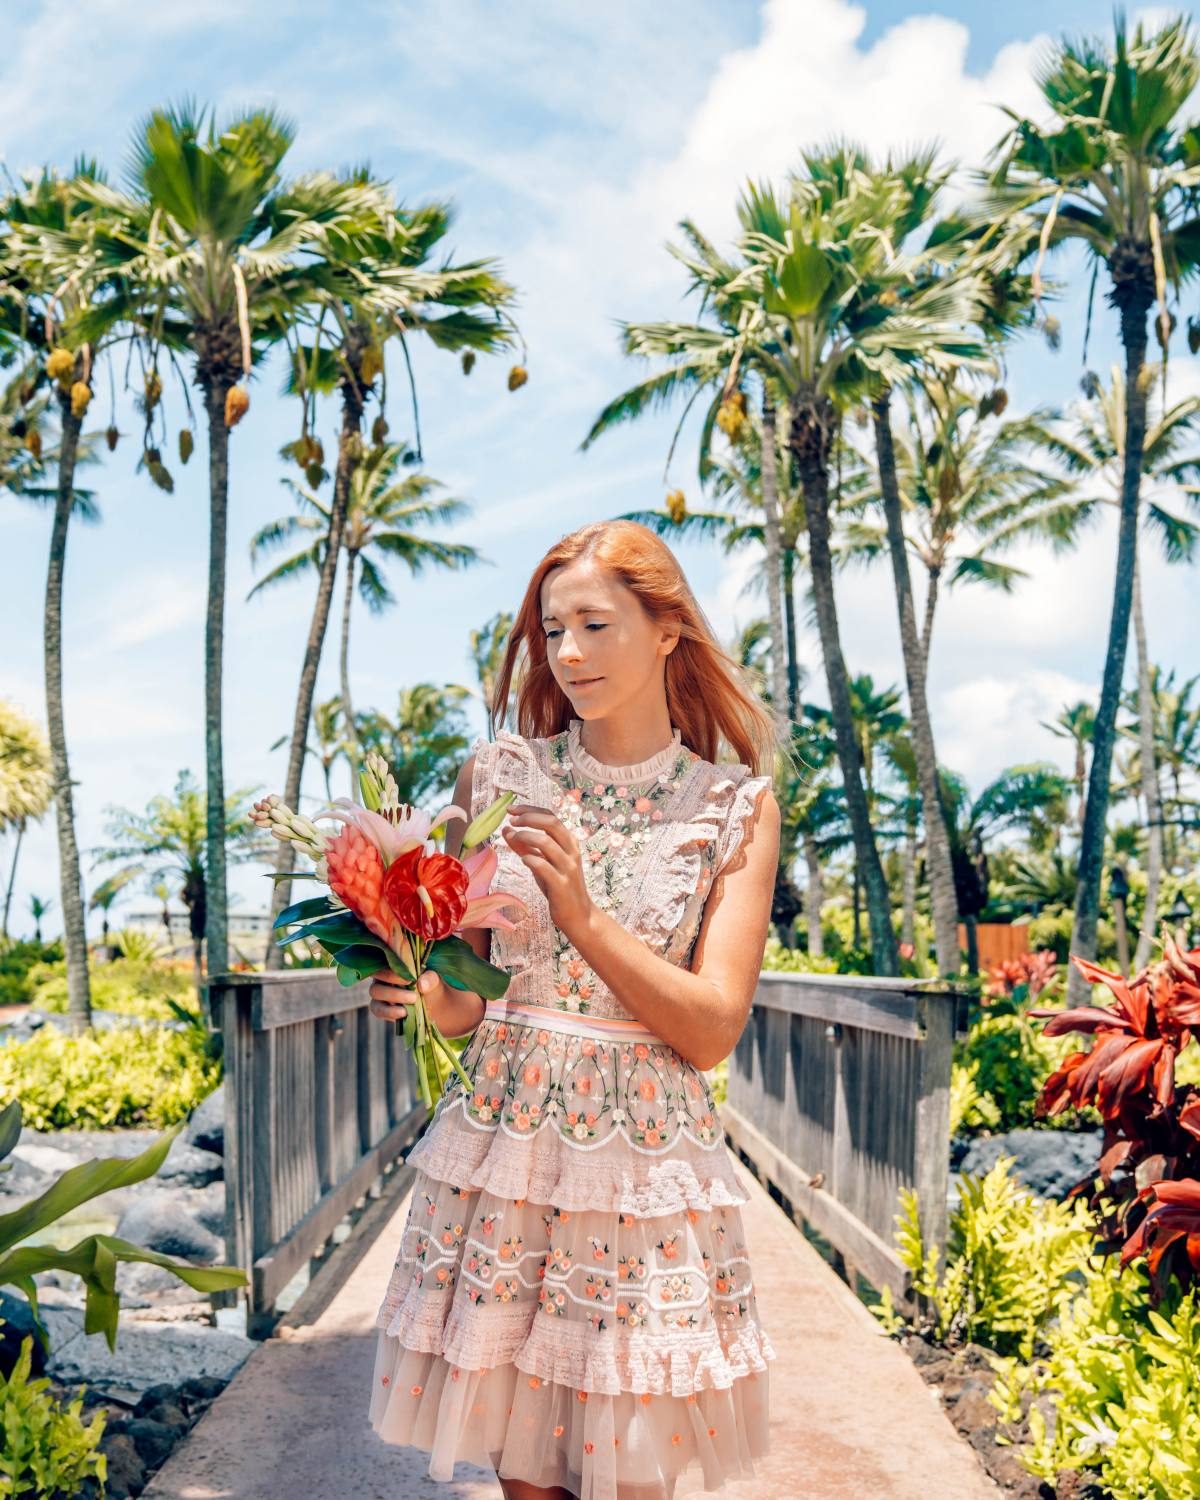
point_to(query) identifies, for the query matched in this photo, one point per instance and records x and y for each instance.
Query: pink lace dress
(572, 1302)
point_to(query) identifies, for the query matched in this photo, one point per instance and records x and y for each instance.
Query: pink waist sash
(616, 1028)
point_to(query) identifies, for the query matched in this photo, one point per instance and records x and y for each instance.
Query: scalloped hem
(597, 1446)
(489, 1160)
(678, 1364)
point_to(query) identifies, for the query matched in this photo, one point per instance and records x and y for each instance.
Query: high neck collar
(662, 760)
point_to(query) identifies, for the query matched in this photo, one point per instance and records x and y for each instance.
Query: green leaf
(359, 959)
(78, 1184)
(301, 911)
(340, 927)
(276, 875)
(802, 280)
(459, 965)
(393, 963)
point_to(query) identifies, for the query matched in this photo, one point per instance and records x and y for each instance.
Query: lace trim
(661, 760)
(674, 1364)
(740, 816)
(544, 1166)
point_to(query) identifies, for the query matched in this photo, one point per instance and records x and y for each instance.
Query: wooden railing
(838, 1096)
(321, 1098)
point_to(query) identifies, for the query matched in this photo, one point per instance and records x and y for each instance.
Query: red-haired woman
(572, 1301)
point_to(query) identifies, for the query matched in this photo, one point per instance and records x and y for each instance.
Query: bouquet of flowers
(397, 901)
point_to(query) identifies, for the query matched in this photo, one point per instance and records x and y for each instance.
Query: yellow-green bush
(999, 1069)
(134, 987)
(794, 960)
(45, 1450)
(1122, 1376)
(130, 1076)
(1013, 1261)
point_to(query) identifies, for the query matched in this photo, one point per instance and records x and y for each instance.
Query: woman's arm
(701, 1011)
(455, 1012)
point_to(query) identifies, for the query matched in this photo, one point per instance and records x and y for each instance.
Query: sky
(571, 140)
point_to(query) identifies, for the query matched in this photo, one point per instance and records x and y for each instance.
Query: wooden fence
(839, 1095)
(321, 1097)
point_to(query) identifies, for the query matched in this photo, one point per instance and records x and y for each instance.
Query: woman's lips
(587, 682)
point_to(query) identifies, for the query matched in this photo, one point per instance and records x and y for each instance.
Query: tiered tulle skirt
(572, 1301)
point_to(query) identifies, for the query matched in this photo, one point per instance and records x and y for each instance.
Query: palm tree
(210, 249)
(1117, 170)
(383, 508)
(486, 649)
(966, 480)
(1077, 724)
(169, 841)
(834, 330)
(45, 306)
(425, 742)
(106, 895)
(1018, 798)
(712, 357)
(26, 784)
(1177, 744)
(37, 910)
(1092, 450)
(379, 288)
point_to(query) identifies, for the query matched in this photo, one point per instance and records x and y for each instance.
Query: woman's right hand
(391, 995)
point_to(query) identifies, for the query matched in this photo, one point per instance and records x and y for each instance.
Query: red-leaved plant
(1146, 1192)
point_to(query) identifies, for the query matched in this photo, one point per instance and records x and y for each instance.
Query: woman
(572, 1300)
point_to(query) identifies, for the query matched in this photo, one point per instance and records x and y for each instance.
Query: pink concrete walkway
(850, 1415)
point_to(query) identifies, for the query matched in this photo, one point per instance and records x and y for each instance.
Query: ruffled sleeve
(740, 815)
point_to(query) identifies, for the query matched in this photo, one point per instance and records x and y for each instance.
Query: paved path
(850, 1416)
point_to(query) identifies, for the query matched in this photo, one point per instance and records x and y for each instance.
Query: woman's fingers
(386, 1011)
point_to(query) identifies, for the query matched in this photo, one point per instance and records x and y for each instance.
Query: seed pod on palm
(237, 404)
(110, 437)
(81, 395)
(379, 430)
(676, 506)
(468, 361)
(187, 444)
(153, 389)
(60, 365)
(517, 377)
(371, 364)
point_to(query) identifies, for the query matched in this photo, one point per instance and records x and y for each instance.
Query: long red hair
(708, 696)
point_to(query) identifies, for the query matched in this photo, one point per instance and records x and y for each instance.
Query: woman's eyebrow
(583, 609)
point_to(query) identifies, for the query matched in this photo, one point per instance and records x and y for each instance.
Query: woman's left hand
(550, 851)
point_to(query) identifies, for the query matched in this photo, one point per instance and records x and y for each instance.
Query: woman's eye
(595, 625)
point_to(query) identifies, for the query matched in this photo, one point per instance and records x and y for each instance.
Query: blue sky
(571, 138)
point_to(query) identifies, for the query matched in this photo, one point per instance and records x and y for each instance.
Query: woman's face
(603, 648)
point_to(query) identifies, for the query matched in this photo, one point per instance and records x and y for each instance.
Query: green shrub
(794, 960)
(1013, 1261)
(1054, 930)
(17, 959)
(130, 1076)
(134, 987)
(46, 1449)
(999, 1068)
(1122, 1376)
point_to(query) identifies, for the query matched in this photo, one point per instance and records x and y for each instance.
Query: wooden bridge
(838, 1096)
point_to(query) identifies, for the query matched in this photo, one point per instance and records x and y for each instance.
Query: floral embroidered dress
(572, 1300)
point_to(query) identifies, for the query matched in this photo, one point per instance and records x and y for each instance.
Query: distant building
(249, 931)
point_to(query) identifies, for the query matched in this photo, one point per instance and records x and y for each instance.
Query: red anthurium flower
(427, 892)
(1175, 1215)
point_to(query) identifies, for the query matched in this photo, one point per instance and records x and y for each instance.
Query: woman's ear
(669, 641)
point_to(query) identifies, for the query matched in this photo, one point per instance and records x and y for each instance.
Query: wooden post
(935, 1017)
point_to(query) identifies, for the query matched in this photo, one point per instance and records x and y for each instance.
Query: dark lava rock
(160, 1220)
(973, 1412)
(153, 1440)
(152, 1396)
(18, 1322)
(1048, 1162)
(126, 1471)
(202, 1387)
(206, 1126)
(189, 1166)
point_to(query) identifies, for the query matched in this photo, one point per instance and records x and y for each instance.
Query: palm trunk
(285, 858)
(771, 532)
(931, 597)
(216, 925)
(908, 927)
(12, 875)
(1154, 827)
(814, 897)
(811, 427)
(347, 706)
(79, 997)
(1135, 295)
(789, 615)
(938, 864)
